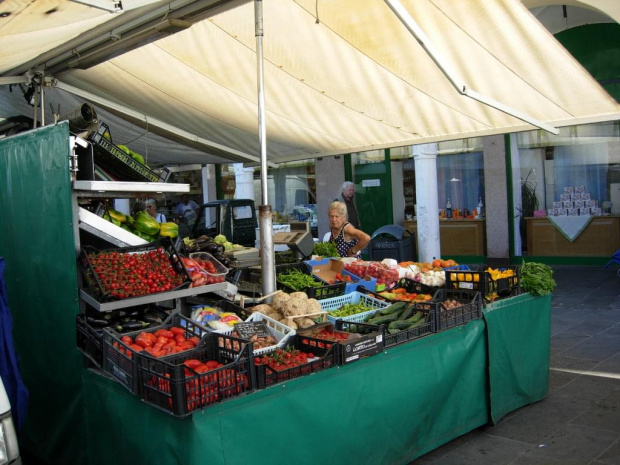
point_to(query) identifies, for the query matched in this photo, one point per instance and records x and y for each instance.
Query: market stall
(391, 407)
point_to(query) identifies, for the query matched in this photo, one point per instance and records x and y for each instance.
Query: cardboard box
(327, 270)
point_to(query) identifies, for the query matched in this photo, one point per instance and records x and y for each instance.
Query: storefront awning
(340, 76)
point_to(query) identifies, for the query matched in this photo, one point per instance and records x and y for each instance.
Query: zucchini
(383, 319)
(416, 324)
(394, 308)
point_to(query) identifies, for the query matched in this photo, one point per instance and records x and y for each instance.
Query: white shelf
(150, 298)
(130, 187)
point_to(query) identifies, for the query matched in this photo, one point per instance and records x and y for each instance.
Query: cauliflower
(294, 306)
(313, 306)
(304, 323)
(290, 322)
(263, 308)
(301, 295)
(278, 300)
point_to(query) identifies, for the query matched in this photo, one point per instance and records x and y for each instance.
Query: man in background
(347, 195)
(187, 208)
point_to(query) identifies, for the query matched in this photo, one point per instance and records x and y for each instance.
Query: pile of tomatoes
(341, 277)
(202, 272)
(123, 275)
(283, 359)
(158, 343)
(325, 335)
(383, 273)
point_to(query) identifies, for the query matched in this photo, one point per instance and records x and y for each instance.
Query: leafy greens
(537, 278)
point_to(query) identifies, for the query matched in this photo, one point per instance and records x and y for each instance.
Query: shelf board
(150, 298)
(127, 187)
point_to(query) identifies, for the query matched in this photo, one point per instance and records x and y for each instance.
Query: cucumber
(394, 308)
(416, 324)
(383, 319)
(407, 312)
(405, 324)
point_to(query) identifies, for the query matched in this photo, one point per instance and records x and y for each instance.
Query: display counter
(600, 238)
(457, 237)
(387, 409)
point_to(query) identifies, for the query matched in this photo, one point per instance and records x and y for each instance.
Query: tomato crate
(477, 278)
(96, 264)
(323, 291)
(188, 382)
(330, 305)
(445, 316)
(322, 359)
(89, 340)
(121, 361)
(327, 269)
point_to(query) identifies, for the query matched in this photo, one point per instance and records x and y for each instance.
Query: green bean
(297, 280)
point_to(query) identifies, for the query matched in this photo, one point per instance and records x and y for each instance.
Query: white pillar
(244, 182)
(425, 159)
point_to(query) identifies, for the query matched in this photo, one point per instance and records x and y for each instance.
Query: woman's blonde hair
(340, 207)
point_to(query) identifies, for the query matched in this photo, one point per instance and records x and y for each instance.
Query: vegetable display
(297, 280)
(124, 275)
(294, 310)
(158, 343)
(401, 316)
(537, 278)
(283, 359)
(325, 249)
(351, 309)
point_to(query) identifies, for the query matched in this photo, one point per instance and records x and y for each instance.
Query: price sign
(250, 328)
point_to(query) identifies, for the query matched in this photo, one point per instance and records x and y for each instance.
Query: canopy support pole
(265, 220)
(462, 88)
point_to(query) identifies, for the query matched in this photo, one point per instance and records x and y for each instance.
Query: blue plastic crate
(353, 298)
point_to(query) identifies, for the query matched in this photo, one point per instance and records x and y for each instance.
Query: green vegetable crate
(476, 278)
(296, 277)
(169, 385)
(336, 303)
(445, 316)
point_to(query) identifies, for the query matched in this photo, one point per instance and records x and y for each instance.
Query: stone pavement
(578, 422)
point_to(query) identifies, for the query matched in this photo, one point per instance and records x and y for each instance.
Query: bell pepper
(116, 215)
(146, 224)
(169, 229)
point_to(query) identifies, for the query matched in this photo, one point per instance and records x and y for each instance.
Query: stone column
(425, 159)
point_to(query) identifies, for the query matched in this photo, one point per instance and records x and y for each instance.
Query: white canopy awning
(340, 76)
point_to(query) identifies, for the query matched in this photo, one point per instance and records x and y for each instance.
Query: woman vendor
(349, 240)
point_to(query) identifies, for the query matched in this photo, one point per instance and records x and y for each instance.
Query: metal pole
(42, 87)
(268, 267)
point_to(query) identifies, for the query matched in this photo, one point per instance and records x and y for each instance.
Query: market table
(390, 408)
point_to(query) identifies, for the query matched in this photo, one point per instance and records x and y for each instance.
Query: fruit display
(143, 225)
(158, 343)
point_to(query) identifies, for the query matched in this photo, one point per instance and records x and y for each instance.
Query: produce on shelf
(169, 229)
(124, 321)
(398, 317)
(402, 294)
(297, 280)
(159, 343)
(125, 275)
(117, 216)
(341, 278)
(283, 359)
(351, 309)
(325, 249)
(385, 275)
(135, 155)
(294, 310)
(203, 270)
(537, 278)
(146, 224)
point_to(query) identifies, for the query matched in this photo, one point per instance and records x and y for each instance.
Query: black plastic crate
(96, 288)
(444, 317)
(121, 361)
(116, 162)
(370, 342)
(325, 358)
(226, 372)
(409, 285)
(477, 278)
(406, 335)
(89, 340)
(325, 291)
